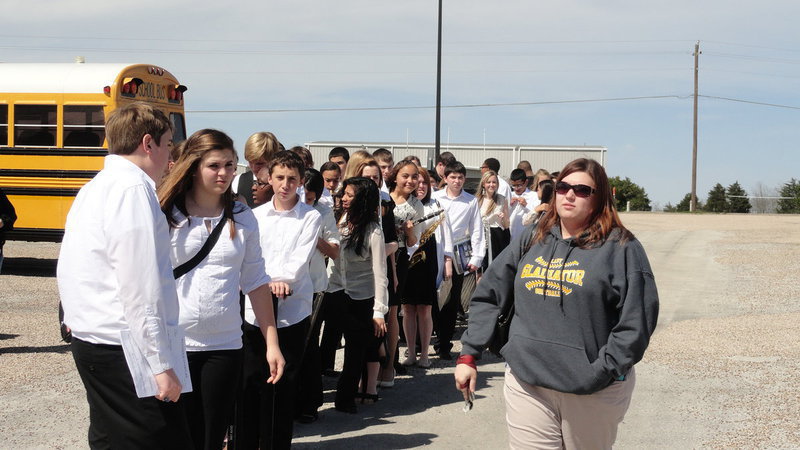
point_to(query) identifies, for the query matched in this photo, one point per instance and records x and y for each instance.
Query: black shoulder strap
(184, 268)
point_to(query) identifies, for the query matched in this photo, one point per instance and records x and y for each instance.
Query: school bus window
(83, 126)
(3, 125)
(35, 125)
(179, 127)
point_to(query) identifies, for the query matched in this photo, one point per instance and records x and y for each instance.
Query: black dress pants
(119, 419)
(354, 317)
(446, 318)
(209, 407)
(265, 418)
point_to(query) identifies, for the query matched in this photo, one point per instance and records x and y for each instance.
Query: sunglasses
(580, 190)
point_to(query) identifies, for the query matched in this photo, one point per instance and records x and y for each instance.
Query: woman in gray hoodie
(585, 307)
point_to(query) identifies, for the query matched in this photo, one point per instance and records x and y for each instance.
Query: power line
(334, 42)
(484, 105)
(401, 108)
(751, 102)
(762, 47)
(381, 52)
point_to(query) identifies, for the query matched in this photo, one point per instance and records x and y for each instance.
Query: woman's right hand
(466, 378)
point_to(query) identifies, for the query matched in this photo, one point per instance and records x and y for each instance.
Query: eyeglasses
(580, 190)
(259, 184)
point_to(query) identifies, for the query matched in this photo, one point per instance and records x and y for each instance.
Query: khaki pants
(541, 418)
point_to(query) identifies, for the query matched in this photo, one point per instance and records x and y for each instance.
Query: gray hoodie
(588, 326)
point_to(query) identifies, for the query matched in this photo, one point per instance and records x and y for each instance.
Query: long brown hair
(172, 192)
(604, 218)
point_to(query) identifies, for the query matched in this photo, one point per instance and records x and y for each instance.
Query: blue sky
(349, 54)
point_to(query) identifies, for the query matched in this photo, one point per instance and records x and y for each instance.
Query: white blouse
(329, 233)
(209, 293)
(412, 209)
(362, 276)
(492, 218)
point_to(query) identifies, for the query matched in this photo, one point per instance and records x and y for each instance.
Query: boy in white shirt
(288, 230)
(467, 233)
(327, 247)
(522, 201)
(386, 163)
(114, 274)
(330, 176)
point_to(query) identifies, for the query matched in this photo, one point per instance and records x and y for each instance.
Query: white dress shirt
(465, 221)
(288, 239)
(329, 233)
(326, 198)
(503, 188)
(492, 218)
(362, 276)
(114, 271)
(209, 293)
(517, 212)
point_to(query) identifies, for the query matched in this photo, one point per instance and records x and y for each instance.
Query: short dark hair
(339, 151)
(446, 158)
(304, 154)
(330, 165)
(493, 164)
(289, 160)
(383, 155)
(455, 167)
(314, 183)
(518, 175)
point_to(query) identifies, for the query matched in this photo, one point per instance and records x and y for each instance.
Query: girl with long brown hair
(196, 197)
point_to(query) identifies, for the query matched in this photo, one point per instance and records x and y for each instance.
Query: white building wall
(550, 158)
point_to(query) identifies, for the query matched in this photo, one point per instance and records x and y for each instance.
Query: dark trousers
(118, 419)
(265, 418)
(310, 384)
(354, 317)
(209, 407)
(446, 318)
(331, 336)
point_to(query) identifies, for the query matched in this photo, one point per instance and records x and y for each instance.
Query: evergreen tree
(683, 205)
(790, 205)
(627, 190)
(716, 200)
(737, 199)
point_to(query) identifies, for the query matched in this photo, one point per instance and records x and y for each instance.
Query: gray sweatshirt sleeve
(494, 291)
(638, 316)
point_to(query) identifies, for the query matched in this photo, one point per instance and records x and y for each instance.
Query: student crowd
(264, 273)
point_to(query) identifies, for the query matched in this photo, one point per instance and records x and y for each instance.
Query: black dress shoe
(445, 356)
(349, 409)
(330, 373)
(308, 417)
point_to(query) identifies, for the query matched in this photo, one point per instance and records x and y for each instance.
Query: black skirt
(420, 286)
(500, 239)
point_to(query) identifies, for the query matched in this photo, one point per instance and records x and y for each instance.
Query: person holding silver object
(424, 274)
(586, 305)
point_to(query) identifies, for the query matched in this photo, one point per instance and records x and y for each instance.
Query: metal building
(548, 157)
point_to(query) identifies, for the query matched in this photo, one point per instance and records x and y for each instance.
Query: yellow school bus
(52, 136)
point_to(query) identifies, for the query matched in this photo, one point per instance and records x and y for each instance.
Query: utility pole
(693, 202)
(436, 148)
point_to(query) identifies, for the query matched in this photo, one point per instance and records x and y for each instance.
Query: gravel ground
(721, 370)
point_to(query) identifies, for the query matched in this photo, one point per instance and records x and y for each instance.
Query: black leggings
(354, 317)
(209, 407)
